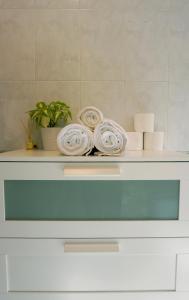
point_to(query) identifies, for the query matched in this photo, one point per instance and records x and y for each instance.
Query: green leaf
(45, 121)
(49, 115)
(41, 105)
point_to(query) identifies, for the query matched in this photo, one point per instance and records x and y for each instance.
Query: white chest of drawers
(94, 227)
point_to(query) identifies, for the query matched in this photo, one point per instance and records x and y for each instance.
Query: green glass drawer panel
(91, 200)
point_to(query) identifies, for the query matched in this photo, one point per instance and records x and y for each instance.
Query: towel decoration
(94, 135)
(90, 117)
(74, 140)
(110, 138)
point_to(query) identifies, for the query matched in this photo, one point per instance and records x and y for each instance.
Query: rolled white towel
(75, 139)
(110, 138)
(90, 116)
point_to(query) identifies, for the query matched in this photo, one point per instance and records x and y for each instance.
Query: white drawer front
(44, 266)
(91, 273)
(165, 217)
(183, 272)
(92, 171)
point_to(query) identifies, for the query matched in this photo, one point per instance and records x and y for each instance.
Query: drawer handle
(91, 170)
(91, 247)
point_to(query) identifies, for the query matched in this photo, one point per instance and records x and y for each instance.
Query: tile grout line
(80, 73)
(168, 100)
(36, 58)
(91, 80)
(42, 8)
(36, 63)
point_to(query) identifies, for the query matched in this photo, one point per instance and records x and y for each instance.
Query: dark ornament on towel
(94, 151)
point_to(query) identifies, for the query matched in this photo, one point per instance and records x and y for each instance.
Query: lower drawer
(87, 266)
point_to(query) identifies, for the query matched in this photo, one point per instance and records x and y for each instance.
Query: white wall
(124, 56)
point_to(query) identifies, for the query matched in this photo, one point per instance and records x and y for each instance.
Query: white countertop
(129, 156)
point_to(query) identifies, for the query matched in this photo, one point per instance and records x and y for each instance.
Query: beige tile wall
(124, 56)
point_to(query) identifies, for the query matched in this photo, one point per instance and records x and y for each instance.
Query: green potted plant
(50, 118)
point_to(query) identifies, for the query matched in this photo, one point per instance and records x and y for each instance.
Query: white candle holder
(154, 141)
(144, 122)
(134, 141)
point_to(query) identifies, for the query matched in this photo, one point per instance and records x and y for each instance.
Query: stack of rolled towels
(94, 133)
(144, 136)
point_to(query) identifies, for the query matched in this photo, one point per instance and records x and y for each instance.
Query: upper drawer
(94, 171)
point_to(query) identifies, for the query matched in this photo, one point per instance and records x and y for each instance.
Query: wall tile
(146, 46)
(17, 3)
(69, 92)
(108, 97)
(17, 90)
(65, 4)
(179, 22)
(150, 97)
(155, 5)
(179, 42)
(62, 4)
(146, 21)
(125, 4)
(179, 56)
(107, 4)
(178, 5)
(58, 46)
(2, 126)
(146, 58)
(16, 98)
(17, 45)
(178, 126)
(101, 46)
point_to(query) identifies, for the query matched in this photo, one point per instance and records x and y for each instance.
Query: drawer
(88, 265)
(94, 170)
(90, 200)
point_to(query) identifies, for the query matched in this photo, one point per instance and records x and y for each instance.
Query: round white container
(49, 138)
(144, 122)
(134, 141)
(153, 141)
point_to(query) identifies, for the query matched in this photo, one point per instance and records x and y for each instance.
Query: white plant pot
(49, 138)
